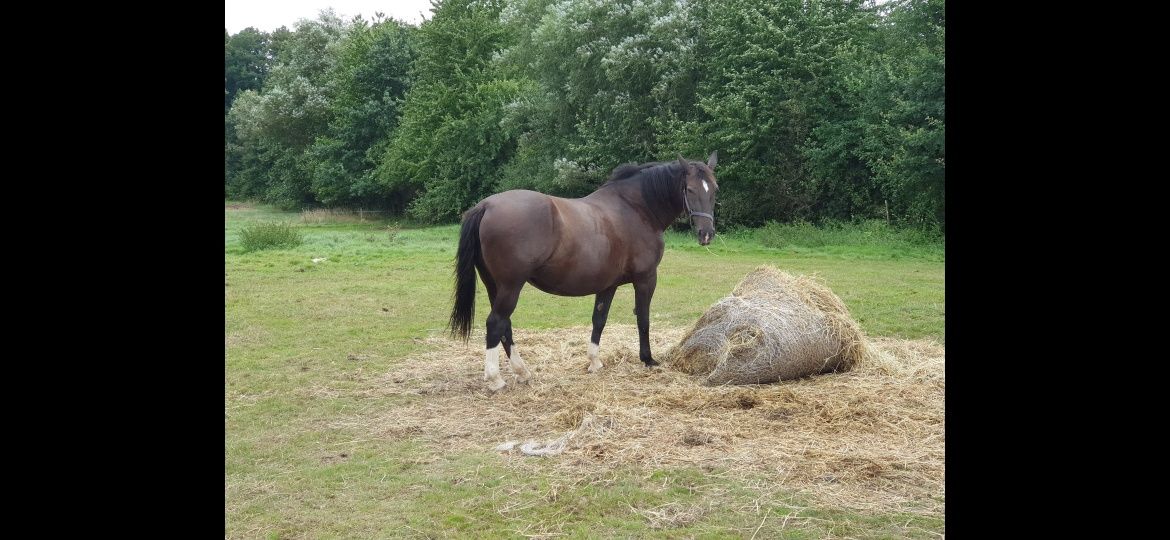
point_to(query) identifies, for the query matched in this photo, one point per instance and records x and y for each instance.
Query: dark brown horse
(577, 247)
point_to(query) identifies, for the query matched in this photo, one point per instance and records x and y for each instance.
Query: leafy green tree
(370, 80)
(275, 127)
(606, 74)
(820, 110)
(450, 143)
(883, 146)
(248, 57)
(904, 113)
(771, 73)
(247, 61)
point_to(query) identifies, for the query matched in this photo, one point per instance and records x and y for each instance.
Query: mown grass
(304, 339)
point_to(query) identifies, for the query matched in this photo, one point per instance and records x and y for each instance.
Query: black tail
(465, 259)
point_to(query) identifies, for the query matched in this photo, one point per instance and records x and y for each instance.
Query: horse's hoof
(650, 363)
(496, 385)
(594, 369)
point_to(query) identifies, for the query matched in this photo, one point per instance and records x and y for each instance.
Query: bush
(269, 236)
(865, 233)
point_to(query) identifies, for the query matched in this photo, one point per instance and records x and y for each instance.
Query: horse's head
(699, 191)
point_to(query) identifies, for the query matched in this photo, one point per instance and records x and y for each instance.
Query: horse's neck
(660, 213)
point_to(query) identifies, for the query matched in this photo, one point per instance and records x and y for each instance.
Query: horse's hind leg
(518, 364)
(600, 314)
(523, 374)
(499, 328)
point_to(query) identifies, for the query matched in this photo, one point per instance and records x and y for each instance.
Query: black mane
(661, 184)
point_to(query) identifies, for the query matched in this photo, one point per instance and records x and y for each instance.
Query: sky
(268, 15)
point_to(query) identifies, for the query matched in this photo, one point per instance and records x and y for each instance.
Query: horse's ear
(682, 162)
(713, 159)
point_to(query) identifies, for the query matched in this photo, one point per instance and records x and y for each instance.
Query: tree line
(820, 110)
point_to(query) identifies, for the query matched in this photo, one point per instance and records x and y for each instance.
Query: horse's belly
(574, 282)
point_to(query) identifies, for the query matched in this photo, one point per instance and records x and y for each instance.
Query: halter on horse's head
(699, 183)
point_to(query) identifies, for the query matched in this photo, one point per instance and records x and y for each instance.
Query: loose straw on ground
(872, 438)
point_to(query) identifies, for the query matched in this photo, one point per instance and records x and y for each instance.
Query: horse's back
(524, 214)
(562, 246)
(518, 213)
(515, 232)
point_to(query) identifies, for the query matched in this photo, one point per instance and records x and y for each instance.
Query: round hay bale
(774, 326)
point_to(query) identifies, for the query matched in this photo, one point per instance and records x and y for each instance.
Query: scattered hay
(869, 439)
(694, 437)
(671, 515)
(773, 327)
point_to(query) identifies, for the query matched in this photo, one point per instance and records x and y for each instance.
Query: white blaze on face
(705, 188)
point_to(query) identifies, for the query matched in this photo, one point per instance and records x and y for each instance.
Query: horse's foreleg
(600, 314)
(643, 292)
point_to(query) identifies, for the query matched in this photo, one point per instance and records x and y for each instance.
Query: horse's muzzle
(705, 236)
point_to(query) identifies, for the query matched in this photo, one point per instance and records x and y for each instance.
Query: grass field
(309, 345)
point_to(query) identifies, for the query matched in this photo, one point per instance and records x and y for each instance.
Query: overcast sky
(268, 15)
